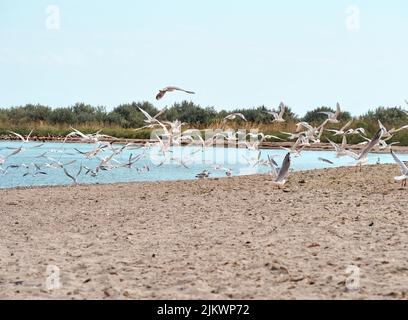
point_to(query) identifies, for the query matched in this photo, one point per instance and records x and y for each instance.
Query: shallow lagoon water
(240, 160)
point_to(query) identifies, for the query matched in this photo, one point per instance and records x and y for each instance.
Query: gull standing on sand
(403, 168)
(163, 91)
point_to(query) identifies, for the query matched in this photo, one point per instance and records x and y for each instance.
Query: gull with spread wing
(362, 158)
(403, 168)
(278, 177)
(163, 91)
(342, 130)
(332, 116)
(278, 117)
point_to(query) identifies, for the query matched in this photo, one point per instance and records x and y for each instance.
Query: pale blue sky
(232, 53)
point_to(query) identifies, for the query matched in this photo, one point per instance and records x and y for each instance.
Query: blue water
(228, 158)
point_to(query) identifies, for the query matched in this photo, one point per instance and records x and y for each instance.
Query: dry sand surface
(215, 239)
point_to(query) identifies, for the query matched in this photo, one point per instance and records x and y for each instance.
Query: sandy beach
(235, 238)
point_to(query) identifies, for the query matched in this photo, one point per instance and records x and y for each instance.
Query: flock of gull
(168, 134)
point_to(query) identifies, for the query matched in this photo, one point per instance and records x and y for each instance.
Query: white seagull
(278, 117)
(332, 117)
(342, 130)
(403, 168)
(362, 158)
(232, 116)
(278, 178)
(25, 140)
(163, 91)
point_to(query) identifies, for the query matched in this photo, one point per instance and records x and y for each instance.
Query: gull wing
(325, 160)
(272, 162)
(69, 175)
(327, 113)
(334, 145)
(17, 135)
(273, 165)
(403, 167)
(400, 178)
(148, 116)
(284, 169)
(337, 109)
(382, 126)
(274, 114)
(351, 154)
(344, 142)
(282, 109)
(269, 136)
(323, 124)
(333, 130)
(160, 113)
(172, 88)
(305, 125)
(348, 124)
(402, 128)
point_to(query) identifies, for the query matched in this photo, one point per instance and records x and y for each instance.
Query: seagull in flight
(278, 117)
(332, 117)
(73, 178)
(342, 130)
(390, 133)
(325, 160)
(25, 140)
(163, 91)
(232, 116)
(355, 131)
(203, 175)
(297, 147)
(340, 149)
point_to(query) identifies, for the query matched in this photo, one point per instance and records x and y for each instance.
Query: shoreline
(152, 182)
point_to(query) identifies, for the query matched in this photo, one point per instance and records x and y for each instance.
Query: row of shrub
(122, 119)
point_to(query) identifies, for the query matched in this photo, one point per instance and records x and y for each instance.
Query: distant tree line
(129, 116)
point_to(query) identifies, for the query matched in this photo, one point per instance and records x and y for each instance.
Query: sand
(235, 238)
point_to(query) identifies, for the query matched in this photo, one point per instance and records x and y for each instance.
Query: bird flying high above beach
(163, 91)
